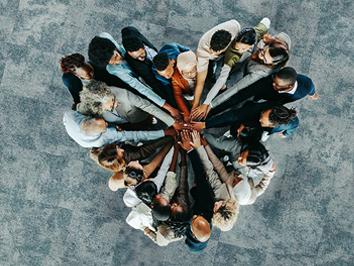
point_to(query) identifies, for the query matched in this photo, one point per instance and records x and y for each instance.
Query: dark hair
(146, 191)
(109, 159)
(70, 63)
(257, 154)
(220, 40)
(280, 115)
(132, 44)
(161, 61)
(132, 176)
(247, 36)
(101, 51)
(287, 74)
(278, 50)
(252, 131)
(161, 213)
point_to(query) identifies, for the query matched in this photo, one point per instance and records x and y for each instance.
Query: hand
(199, 112)
(282, 135)
(187, 119)
(170, 132)
(196, 139)
(199, 126)
(176, 115)
(314, 97)
(179, 127)
(204, 142)
(186, 140)
(273, 168)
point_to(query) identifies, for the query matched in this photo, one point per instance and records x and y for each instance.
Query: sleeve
(205, 198)
(243, 83)
(211, 175)
(258, 190)
(124, 75)
(312, 90)
(142, 152)
(113, 135)
(130, 199)
(161, 174)
(109, 37)
(177, 92)
(225, 71)
(288, 129)
(218, 166)
(260, 29)
(150, 108)
(229, 145)
(170, 186)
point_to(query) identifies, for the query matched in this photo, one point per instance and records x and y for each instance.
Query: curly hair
(280, 115)
(161, 61)
(278, 50)
(220, 40)
(70, 63)
(101, 51)
(146, 192)
(94, 95)
(132, 44)
(225, 217)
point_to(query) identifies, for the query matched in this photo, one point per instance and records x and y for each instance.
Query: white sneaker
(266, 22)
(265, 136)
(227, 134)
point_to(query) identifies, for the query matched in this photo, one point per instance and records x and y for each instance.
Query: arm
(124, 74)
(201, 76)
(170, 182)
(150, 108)
(113, 135)
(133, 153)
(225, 71)
(177, 92)
(243, 83)
(149, 168)
(161, 174)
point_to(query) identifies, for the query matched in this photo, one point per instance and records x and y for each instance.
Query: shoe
(265, 136)
(266, 22)
(227, 134)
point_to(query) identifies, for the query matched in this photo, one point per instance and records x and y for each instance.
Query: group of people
(125, 91)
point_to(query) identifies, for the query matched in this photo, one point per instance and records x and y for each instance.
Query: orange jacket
(180, 86)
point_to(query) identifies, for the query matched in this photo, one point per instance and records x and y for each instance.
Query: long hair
(278, 50)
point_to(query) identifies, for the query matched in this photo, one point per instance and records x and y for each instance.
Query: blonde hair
(226, 215)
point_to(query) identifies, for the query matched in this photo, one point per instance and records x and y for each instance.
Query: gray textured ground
(56, 207)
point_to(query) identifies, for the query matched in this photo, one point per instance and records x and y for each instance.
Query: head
(103, 52)
(133, 174)
(225, 214)
(253, 155)
(274, 54)
(91, 126)
(161, 208)
(219, 41)
(245, 39)
(276, 116)
(146, 191)
(200, 228)
(97, 98)
(179, 220)
(187, 64)
(77, 65)
(135, 48)
(285, 79)
(249, 132)
(164, 65)
(111, 156)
